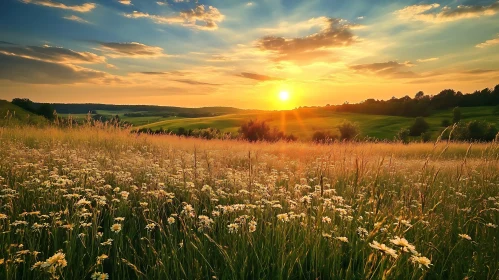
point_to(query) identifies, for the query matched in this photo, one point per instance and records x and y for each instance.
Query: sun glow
(284, 96)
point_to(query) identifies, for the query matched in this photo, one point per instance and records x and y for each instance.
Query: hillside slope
(11, 114)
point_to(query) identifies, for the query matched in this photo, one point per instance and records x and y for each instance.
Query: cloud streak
(200, 18)
(489, 43)
(435, 13)
(258, 77)
(33, 71)
(132, 49)
(390, 69)
(84, 8)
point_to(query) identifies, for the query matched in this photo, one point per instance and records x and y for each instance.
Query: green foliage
(445, 123)
(403, 135)
(456, 115)
(419, 127)
(475, 131)
(324, 137)
(260, 131)
(348, 131)
(426, 137)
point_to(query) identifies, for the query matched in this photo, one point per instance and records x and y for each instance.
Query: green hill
(11, 114)
(304, 122)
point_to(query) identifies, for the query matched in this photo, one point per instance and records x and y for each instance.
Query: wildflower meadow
(89, 203)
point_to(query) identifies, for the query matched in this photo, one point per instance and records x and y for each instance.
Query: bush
(348, 131)
(426, 137)
(403, 135)
(475, 131)
(445, 123)
(259, 131)
(456, 115)
(419, 127)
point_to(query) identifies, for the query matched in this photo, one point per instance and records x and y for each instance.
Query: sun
(284, 95)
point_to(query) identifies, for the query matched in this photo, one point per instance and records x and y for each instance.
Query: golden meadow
(90, 203)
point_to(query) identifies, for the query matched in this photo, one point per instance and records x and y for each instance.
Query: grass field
(303, 123)
(87, 203)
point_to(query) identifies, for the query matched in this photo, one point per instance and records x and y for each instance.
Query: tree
(348, 131)
(24, 103)
(418, 127)
(456, 115)
(419, 95)
(46, 111)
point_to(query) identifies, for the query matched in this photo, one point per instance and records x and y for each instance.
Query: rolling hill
(304, 122)
(15, 115)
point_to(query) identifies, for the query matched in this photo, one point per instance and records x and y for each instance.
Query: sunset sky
(244, 54)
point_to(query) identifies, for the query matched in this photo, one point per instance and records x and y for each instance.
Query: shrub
(418, 127)
(403, 135)
(324, 137)
(426, 137)
(348, 131)
(445, 123)
(456, 115)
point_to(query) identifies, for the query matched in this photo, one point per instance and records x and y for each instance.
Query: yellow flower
(116, 228)
(59, 259)
(421, 261)
(342, 239)
(402, 242)
(3, 216)
(384, 249)
(465, 236)
(101, 258)
(100, 276)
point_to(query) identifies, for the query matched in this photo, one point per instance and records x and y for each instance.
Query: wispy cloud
(84, 8)
(28, 70)
(436, 13)
(132, 49)
(54, 54)
(422, 60)
(198, 18)
(76, 18)
(489, 43)
(125, 2)
(390, 69)
(258, 77)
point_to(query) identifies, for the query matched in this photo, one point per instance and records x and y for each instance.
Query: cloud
(76, 18)
(432, 13)
(133, 49)
(334, 33)
(422, 60)
(33, 71)
(84, 8)
(198, 18)
(125, 2)
(488, 43)
(6, 43)
(258, 77)
(390, 69)
(54, 54)
(193, 82)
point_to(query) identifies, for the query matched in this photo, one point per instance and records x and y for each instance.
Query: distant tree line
(422, 105)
